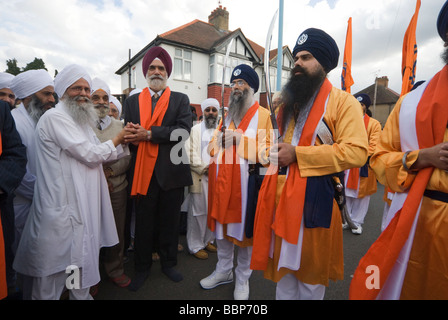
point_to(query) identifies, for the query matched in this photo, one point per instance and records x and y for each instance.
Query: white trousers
(357, 208)
(198, 233)
(51, 288)
(289, 288)
(225, 260)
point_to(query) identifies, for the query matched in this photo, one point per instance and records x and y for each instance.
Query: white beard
(83, 113)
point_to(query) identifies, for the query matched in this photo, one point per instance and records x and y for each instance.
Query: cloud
(99, 33)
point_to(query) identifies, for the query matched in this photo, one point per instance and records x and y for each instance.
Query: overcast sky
(99, 33)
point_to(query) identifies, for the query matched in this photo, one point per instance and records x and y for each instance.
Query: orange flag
(409, 56)
(346, 78)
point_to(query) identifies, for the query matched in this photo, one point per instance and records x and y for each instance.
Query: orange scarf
(288, 215)
(353, 176)
(147, 151)
(225, 189)
(3, 286)
(431, 121)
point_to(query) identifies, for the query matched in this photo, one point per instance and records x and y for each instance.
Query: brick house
(198, 49)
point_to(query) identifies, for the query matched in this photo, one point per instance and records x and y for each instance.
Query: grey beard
(238, 105)
(35, 109)
(210, 122)
(156, 83)
(101, 110)
(82, 114)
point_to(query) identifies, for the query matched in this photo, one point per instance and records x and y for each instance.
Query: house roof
(211, 40)
(384, 95)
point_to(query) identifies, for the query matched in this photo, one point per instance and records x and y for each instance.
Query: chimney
(383, 81)
(219, 18)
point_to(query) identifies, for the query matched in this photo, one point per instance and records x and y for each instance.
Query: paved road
(159, 287)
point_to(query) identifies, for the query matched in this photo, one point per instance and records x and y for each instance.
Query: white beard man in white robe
(199, 236)
(71, 217)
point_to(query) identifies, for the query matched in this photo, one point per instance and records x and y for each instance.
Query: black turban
(442, 21)
(364, 98)
(245, 72)
(321, 45)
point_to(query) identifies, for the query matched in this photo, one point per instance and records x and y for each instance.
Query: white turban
(98, 84)
(68, 76)
(29, 82)
(211, 102)
(117, 103)
(5, 80)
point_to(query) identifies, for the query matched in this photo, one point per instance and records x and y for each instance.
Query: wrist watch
(148, 137)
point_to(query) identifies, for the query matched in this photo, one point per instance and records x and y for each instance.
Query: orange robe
(322, 251)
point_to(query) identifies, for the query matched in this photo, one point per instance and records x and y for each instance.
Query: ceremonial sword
(223, 128)
(267, 75)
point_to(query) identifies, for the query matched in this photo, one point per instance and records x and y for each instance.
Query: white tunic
(24, 193)
(71, 217)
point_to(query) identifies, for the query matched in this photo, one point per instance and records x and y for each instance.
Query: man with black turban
(411, 159)
(298, 234)
(152, 118)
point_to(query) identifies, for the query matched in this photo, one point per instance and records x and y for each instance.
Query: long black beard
(445, 55)
(298, 92)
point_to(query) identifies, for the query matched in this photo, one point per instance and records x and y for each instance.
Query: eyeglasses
(79, 89)
(238, 83)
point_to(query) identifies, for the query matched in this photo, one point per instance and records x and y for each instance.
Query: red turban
(157, 52)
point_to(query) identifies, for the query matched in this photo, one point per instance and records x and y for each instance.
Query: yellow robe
(427, 271)
(322, 251)
(254, 150)
(368, 185)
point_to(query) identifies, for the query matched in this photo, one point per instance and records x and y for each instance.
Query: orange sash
(147, 151)
(353, 176)
(288, 215)
(3, 285)
(225, 189)
(431, 121)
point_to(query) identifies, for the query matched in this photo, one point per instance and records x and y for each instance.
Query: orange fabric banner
(353, 175)
(346, 78)
(431, 120)
(409, 54)
(147, 151)
(225, 189)
(288, 215)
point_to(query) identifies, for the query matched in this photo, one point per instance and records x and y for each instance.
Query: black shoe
(138, 280)
(173, 274)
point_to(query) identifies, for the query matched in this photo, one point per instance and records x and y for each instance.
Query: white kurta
(71, 217)
(24, 193)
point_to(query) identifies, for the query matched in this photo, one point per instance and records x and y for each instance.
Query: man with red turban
(158, 122)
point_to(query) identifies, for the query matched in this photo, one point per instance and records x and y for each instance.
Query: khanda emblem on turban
(302, 39)
(237, 72)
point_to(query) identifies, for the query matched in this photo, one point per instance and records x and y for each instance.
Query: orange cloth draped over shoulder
(225, 189)
(288, 215)
(147, 151)
(3, 285)
(353, 176)
(431, 121)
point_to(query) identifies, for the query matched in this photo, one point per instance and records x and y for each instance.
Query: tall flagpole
(280, 47)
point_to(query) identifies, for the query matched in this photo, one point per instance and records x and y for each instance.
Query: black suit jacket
(13, 158)
(177, 120)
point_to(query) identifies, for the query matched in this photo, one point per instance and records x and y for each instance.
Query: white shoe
(216, 279)
(241, 290)
(344, 226)
(357, 230)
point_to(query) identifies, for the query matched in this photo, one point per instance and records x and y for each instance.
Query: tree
(35, 65)
(12, 67)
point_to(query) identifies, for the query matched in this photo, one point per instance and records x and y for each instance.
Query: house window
(217, 67)
(182, 64)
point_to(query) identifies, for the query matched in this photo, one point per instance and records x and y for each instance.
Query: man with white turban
(199, 236)
(115, 107)
(35, 88)
(6, 94)
(71, 217)
(115, 173)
